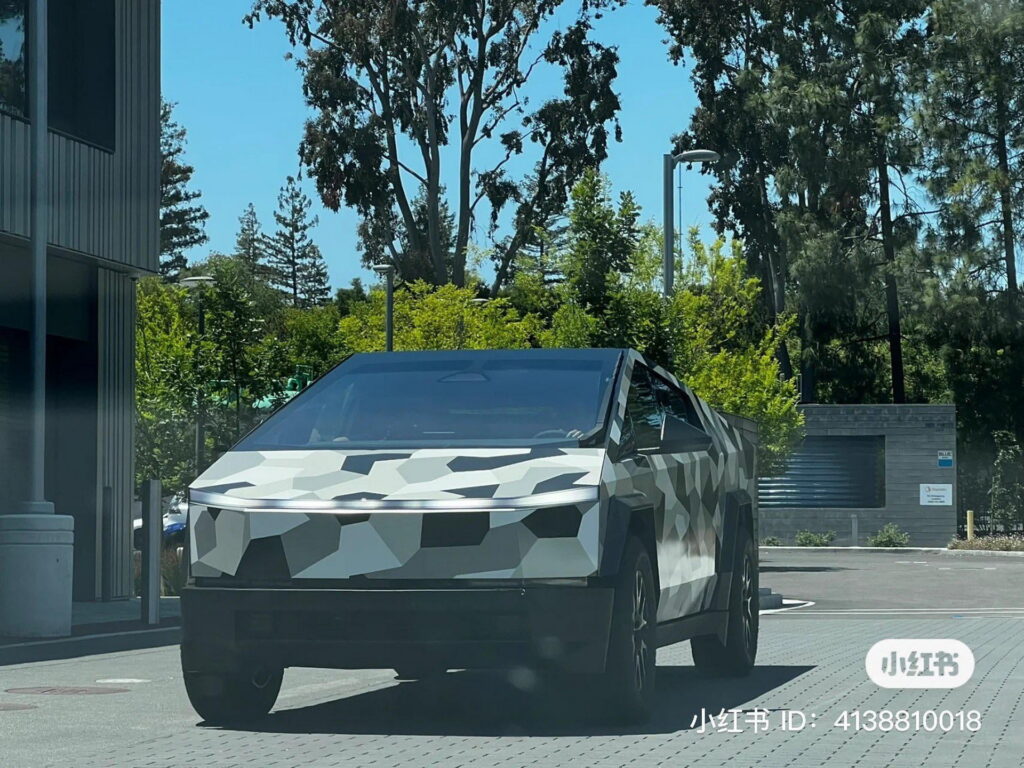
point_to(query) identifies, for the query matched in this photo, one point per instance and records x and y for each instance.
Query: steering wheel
(572, 433)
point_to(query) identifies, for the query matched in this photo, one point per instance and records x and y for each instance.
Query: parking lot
(788, 713)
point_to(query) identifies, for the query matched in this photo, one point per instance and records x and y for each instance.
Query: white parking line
(789, 605)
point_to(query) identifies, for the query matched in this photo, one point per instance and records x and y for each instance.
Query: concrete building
(101, 224)
(862, 466)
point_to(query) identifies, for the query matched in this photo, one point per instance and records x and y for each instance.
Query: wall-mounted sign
(945, 459)
(936, 495)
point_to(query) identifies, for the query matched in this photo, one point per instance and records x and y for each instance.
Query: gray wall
(913, 436)
(115, 448)
(103, 203)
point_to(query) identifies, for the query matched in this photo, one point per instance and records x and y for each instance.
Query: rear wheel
(233, 697)
(630, 667)
(735, 658)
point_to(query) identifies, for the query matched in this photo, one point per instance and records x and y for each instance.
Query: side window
(676, 403)
(643, 410)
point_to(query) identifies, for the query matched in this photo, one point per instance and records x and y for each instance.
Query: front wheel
(735, 658)
(233, 697)
(632, 644)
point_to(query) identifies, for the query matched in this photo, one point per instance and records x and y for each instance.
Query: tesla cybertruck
(568, 510)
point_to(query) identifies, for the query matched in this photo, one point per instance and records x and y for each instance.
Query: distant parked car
(175, 521)
(571, 510)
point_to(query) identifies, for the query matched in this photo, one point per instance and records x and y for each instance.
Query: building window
(81, 69)
(830, 472)
(12, 56)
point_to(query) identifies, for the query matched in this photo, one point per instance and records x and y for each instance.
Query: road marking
(124, 680)
(919, 611)
(792, 606)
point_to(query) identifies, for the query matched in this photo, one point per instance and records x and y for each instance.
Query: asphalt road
(854, 582)
(811, 662)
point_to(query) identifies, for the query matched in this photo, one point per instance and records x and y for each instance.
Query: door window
(676, 402)
(643, 410)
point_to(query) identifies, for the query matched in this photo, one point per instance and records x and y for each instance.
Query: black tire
(233, 697)
(629, 677)
(736, 657)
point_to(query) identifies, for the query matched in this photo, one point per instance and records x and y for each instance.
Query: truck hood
(365, 478)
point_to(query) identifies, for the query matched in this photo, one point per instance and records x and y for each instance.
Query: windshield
(447, 399)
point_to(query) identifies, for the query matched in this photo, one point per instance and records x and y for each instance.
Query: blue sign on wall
(945, 459)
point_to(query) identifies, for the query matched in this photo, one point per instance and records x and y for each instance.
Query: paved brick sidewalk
(328, 718)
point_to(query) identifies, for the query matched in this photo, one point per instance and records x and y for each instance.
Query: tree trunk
(1006, 199)
(776, 269)
(892, 306)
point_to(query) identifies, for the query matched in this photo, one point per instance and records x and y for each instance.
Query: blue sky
(241, 102)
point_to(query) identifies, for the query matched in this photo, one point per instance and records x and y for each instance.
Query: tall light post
(388, 272)
(197, 283)
(669, 163)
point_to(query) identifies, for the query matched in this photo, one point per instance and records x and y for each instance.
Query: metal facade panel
(116, 418)
(14, 181)
(103, 203)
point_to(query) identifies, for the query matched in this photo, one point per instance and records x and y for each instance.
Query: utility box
(862, 466)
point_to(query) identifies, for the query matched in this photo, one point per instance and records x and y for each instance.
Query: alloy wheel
(641, 649)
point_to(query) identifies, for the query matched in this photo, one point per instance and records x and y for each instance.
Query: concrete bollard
(36, 555)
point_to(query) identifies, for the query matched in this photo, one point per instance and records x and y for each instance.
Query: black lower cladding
(565, 626)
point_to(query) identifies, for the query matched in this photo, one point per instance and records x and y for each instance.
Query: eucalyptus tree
(393, 84)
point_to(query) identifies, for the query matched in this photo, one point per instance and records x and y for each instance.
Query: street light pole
(669, 162)
(388, 271)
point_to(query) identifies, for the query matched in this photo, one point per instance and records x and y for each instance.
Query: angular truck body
(425, 511)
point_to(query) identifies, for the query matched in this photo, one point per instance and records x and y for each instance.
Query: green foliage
(809, 539)
(182, 218)
(344, 298)
(447, 317)
(889, 535)
(771, 541)
(310, 338)
(601, 239)
(1007, 492)
(165, 385)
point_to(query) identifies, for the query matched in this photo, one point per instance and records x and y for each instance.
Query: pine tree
(972, 116)
(182, 219)
(249, 241)
(294, 263)
(314, 288)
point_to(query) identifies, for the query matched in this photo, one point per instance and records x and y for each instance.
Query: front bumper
(562, 626)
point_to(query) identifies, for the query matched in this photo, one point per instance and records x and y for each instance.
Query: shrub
(890, 535)
(172, 575)
(1005, 543)
(810, 539)
(771, 541)
(1007, 492)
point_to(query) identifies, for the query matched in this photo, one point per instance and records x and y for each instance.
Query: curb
(898, 550)
(88, 645)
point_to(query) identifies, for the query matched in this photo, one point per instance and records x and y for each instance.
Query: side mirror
(678, 436)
